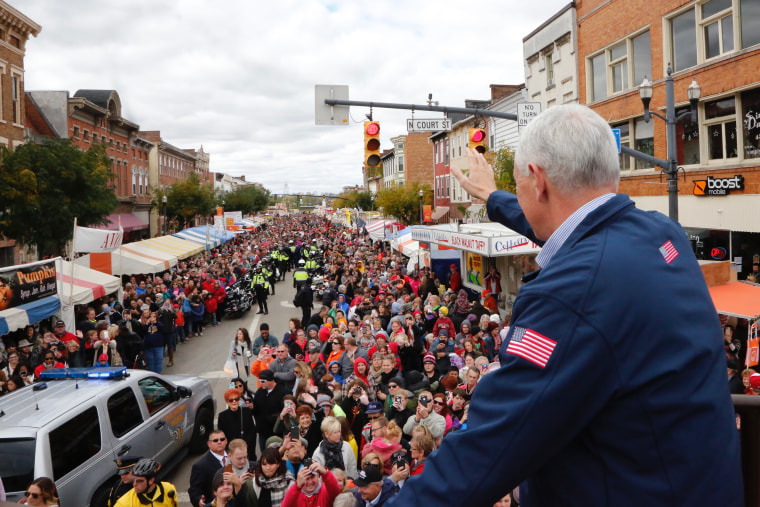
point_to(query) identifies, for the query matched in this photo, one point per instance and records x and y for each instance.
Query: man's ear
(540, 180)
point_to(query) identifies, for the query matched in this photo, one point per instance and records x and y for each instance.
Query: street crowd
(343, 406)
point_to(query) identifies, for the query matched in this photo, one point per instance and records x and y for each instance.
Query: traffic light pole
(422, 107)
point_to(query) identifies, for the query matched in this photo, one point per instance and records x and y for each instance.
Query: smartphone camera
(357, 390)
(307, 462)
(424, 401)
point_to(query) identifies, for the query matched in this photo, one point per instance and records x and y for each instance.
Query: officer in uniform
(292, 256)
(269, 273)
(612, 389)
(300, 275)
(124, 482)
(260, 284)
(146, 490)
(284, 262)
(311, 264)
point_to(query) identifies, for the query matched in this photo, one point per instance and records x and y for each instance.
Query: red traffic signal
(371, 143)
(478, 139)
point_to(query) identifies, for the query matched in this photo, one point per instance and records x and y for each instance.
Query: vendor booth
(383, 229)
(206, 236)
(129, 259)
(78, 285)
(28, 294)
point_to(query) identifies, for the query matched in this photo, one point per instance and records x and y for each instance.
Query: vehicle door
(167, 413)
(133, 434)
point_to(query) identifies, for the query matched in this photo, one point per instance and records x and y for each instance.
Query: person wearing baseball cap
(372, 489)
(124, 482)
(455, 279)
(102, 361)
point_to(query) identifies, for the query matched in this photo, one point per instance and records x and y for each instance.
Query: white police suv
(75, 422)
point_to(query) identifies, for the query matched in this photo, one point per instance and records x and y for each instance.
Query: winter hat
(324, 334)
(429, 358)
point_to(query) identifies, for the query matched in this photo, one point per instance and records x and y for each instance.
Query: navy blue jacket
(632, 406)
(388, 491)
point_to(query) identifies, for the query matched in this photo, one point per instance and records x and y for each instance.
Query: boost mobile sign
(718, 186)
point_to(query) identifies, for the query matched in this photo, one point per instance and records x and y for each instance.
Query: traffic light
(371, 144)
(478, 140)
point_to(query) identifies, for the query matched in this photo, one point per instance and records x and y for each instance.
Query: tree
(45, 186)
(248, 199)
(503, 163)
(354, 198)
(404, 202)
(186, 199)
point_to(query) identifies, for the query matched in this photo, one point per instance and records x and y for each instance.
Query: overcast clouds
(238, 76)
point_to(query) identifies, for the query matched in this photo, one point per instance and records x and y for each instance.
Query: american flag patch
(669, 252)
(531, 345)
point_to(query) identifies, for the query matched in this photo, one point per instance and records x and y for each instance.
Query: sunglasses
(217, 440)
(33, 495)
(391, 386)
(437, 402)
(336, 343)
(231, 400)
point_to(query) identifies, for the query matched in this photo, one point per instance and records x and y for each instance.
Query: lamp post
(164, 199)
(670, 166)
(421, 215)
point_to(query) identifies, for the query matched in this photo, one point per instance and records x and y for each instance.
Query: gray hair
(573, 145)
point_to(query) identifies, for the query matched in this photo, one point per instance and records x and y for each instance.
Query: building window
(749, 14)
(683, 31)
(751, 115)
(618, 58)
(134, 183)
(720, 122)
(16, 103)
(598, 77)
(459, 143)
(644, 141)
(549, 65)
(448, 186)
(625, 130)
(75, 135)
(687, 138)
(717, 27)
(446, 152)
(641, 46)
(86, 136)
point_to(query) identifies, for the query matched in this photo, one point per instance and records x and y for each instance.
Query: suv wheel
(204, 424)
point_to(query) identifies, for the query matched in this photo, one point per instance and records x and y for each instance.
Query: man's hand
(480, 183)
(303, 474)
(400, 473)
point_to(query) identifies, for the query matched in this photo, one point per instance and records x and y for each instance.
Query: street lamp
(164, 199)
(421, 216)
(670, 166)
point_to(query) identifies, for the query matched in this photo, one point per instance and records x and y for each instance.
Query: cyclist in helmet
(146, 490)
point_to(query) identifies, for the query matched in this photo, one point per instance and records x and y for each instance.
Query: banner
(475, 273)
(88, 240)
(427, 213)
(26, 283)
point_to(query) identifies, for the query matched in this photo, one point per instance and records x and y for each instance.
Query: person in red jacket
(455, 279)
(315, 487)
(211, 306)
(219, 294)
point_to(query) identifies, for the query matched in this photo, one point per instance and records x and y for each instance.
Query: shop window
(644, 141)
(625, 131)
(618, 56)
(751, 123)
(717, 27)
(720, 121)
(687, 138)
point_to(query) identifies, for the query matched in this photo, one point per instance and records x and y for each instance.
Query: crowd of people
(383, 345)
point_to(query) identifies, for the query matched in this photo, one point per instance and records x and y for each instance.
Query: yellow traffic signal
(371, 144)
(478, 140)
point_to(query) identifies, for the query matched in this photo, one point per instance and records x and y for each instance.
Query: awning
(382, 229)
(439, 213)
(88, 285)
(737, 299)
(130, 259)
(29, 313)
(129, 222)
(182, 248)
(490, 239)
(201, 233)
(404, 243)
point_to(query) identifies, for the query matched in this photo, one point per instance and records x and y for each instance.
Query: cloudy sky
(238, 76)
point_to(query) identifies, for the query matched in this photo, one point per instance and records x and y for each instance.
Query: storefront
(481, 246)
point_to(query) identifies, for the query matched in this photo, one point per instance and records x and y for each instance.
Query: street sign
(526, 111)
(427, 125)
(616, 133)
(330, 115)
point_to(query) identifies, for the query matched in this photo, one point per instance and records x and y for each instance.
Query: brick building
(15, 30)
(715, 43)
(93, 117)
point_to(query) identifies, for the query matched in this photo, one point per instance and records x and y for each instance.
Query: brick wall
(418, 163)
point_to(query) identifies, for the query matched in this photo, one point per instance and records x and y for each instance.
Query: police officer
(260, 284)
(269, 272)
(284, 262)
(146, 490)
(124, 482)
(292, 256)
(300, 275)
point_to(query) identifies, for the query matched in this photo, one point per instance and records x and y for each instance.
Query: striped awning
(182, 248)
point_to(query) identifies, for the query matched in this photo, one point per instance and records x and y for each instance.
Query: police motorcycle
(318, 286)
(240, 297)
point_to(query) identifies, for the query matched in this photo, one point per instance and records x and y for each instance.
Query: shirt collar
(558, 238)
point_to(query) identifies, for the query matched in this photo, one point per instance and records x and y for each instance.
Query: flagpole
(73, 243)
(122, 242)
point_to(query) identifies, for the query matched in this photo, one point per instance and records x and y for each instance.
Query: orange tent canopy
(737, 299)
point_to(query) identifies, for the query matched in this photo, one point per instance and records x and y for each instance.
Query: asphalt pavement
(205, 355)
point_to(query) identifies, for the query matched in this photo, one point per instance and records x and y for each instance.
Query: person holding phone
(426, 416)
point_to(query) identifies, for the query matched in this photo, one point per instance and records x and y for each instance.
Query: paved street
(205, 355)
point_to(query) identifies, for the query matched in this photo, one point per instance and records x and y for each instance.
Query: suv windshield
(17, 463)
